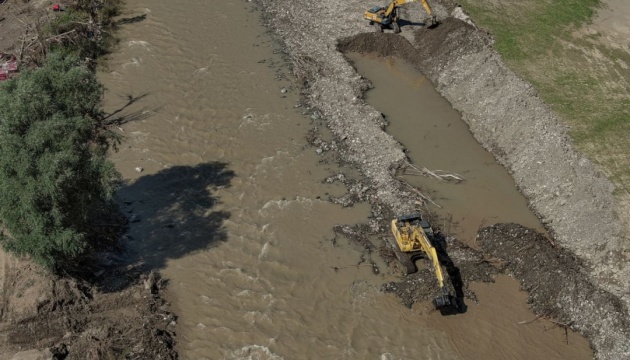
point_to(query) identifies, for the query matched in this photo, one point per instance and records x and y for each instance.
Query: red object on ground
(3, 75)
(13, 66)
(56, 7)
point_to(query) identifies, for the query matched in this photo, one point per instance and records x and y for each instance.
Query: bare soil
(13, 17)
(120, 313)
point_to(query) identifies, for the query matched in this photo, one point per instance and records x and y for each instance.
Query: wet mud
(558, 289)
(116, 312)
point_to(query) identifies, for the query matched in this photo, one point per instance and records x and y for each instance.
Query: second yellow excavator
(414, 238)
(387, 16)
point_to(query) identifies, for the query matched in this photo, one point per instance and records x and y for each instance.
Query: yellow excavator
(382, 17)
(414, 238)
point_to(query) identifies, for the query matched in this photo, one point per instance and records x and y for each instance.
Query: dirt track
(504, 113)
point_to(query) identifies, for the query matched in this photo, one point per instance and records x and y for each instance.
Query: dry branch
(530, 321)
(424, 197)
(436, 174)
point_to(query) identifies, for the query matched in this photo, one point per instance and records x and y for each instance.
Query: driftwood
(563, 326)
(436, 174)
(35, 42)
(419, 193)
(410, 169)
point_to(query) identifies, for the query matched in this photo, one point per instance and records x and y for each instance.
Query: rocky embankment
(570, 195)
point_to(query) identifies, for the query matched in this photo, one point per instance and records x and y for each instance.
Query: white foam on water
(239, 274)
(264, 251)
(273, 164)
(282, 205)
(256, 317)
(349, 351)
(245, 292)
(210, 301)
(257, 121)
(363, 293)
(253, 352)
(144, 44)
(134, 61)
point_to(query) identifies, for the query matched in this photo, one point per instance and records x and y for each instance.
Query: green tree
(54, 175)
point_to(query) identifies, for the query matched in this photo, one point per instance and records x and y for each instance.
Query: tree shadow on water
(171, 213)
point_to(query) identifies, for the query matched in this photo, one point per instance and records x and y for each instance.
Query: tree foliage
(54, 175)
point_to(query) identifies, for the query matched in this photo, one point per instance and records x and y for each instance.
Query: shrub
(54, 176)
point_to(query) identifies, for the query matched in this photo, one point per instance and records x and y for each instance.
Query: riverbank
(99, 305)
(573, 199)
(120, 312)
(585, 78)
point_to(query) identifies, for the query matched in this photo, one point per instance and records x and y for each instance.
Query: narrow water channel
(436, 138)
(227, 202)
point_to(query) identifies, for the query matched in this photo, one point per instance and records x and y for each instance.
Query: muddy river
(228, 203)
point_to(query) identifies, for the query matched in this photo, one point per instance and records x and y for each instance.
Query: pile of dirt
(558, 289)
(46, 316)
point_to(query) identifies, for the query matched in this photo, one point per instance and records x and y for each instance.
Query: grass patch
(529, 28)
(585, 81)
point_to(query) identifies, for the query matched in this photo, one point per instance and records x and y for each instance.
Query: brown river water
(228, 203)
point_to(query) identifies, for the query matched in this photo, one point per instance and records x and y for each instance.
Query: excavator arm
(427, 8)
(397, 3)
(413, 238)
(389, 16)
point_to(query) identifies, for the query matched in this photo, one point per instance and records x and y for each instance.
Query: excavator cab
(414, 238)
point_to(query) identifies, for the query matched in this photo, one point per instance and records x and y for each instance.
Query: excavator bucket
(432, 23)
(442, 302)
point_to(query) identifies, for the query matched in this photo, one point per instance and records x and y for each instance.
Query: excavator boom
(411, 237)
(388, 16)
(397, 3)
